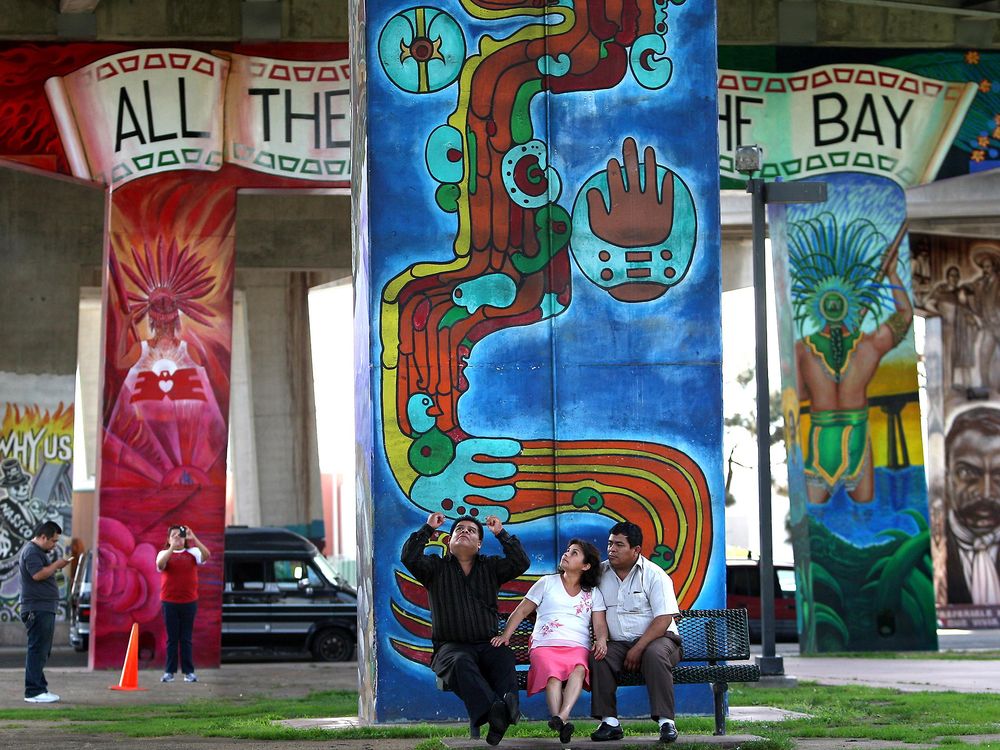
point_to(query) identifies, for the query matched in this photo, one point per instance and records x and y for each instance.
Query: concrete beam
(292, 230)
(78, 6)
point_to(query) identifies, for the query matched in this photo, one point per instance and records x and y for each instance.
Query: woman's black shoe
(556, 723)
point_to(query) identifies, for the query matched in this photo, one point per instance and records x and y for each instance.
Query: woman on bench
(566, 603)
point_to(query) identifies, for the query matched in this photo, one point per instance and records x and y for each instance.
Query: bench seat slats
(709, 635)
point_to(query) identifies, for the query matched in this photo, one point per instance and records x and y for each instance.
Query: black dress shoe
(566, 733)
(555, 723)
(498, 722)
(668, 733)
(607, 732)
(513, 706)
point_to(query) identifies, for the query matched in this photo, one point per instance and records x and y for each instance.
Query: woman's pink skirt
(558, 662)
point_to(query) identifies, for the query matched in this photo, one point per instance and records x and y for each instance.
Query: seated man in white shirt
(643, 635)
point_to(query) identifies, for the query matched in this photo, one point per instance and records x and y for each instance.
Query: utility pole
(749, 160)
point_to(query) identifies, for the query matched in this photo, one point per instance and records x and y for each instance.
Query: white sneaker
(167, 677)
(190, 677)
(42, 698)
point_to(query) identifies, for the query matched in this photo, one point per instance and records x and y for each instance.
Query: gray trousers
(658, 662)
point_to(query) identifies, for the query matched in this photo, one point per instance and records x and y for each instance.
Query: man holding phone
(39, 604)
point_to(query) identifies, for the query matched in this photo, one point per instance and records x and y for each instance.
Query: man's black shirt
(463, 607)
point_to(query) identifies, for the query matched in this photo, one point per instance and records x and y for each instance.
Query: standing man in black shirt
(463, 588)
(39, 604)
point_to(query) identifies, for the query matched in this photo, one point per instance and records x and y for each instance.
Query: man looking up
(643, 635)
(462, 588)
(39, 603)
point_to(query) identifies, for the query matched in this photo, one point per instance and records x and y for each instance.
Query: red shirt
(179, 580)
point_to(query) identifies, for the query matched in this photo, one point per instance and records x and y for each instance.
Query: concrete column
(284, 418)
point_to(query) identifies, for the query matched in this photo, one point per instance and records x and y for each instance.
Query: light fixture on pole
(750, 160)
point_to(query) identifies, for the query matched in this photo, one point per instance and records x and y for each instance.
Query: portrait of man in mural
(984, 294)
(951, 299)
(972, 505)
(832, 293)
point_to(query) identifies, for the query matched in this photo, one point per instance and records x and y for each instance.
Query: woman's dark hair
(171, 528)
(590, 577)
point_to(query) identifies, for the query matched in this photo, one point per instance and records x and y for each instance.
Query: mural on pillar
(860, 521)
(36, 470)
(172, 133)
(962, 290)
(851, 393)
(549, 294)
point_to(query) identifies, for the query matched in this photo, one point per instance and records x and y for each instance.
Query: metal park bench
(711, 637)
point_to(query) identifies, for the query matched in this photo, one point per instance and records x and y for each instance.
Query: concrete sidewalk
(79, 686)
(963, 676)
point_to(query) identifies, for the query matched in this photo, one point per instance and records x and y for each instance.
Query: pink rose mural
(127, 581)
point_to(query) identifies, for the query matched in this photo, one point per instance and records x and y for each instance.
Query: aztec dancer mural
(861, 526)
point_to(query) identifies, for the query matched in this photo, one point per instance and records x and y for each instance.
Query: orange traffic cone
(130, 669)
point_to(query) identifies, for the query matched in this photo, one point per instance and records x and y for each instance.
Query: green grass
(835, 712)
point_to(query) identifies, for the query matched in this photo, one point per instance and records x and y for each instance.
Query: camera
(183, 531)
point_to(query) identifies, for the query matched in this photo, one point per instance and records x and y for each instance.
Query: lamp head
(749, 159)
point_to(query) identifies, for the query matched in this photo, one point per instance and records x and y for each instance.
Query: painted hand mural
(632, 231)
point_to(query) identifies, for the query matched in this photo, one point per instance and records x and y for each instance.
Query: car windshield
(328, 571)
(786, 579)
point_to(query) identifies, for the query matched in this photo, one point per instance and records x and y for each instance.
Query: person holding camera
(178, 563)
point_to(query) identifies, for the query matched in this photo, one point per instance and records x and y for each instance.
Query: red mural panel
(138, 121)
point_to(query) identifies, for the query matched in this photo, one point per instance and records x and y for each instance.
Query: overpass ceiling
(962, 8)
(829, 23)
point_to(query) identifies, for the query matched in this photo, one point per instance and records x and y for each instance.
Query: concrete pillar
(46, 226)
(284, 418)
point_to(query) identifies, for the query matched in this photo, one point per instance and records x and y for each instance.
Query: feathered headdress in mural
(169, 282)
(836, 272)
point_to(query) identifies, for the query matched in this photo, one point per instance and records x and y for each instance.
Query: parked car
(281, 596)
(743, 590)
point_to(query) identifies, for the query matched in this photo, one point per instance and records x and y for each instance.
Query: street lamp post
(749, 160)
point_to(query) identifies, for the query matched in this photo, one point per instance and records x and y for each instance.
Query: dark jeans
(41, 626)
(478, 673)
(179, 619)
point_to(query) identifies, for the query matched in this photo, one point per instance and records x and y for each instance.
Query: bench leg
(719, 689)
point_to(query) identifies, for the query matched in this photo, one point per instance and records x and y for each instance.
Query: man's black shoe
(607, 732)
(566, 733)
(668, 733)
(513, 706)
(498, 722)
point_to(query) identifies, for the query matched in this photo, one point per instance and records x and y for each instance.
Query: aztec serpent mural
(631, 228)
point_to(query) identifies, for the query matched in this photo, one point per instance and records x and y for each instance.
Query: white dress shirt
(646, 592)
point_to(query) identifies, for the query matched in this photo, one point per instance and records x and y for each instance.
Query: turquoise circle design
(422, 63)
(442, 140)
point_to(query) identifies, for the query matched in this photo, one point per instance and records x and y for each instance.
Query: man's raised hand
(434, 520)
(494, 525)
